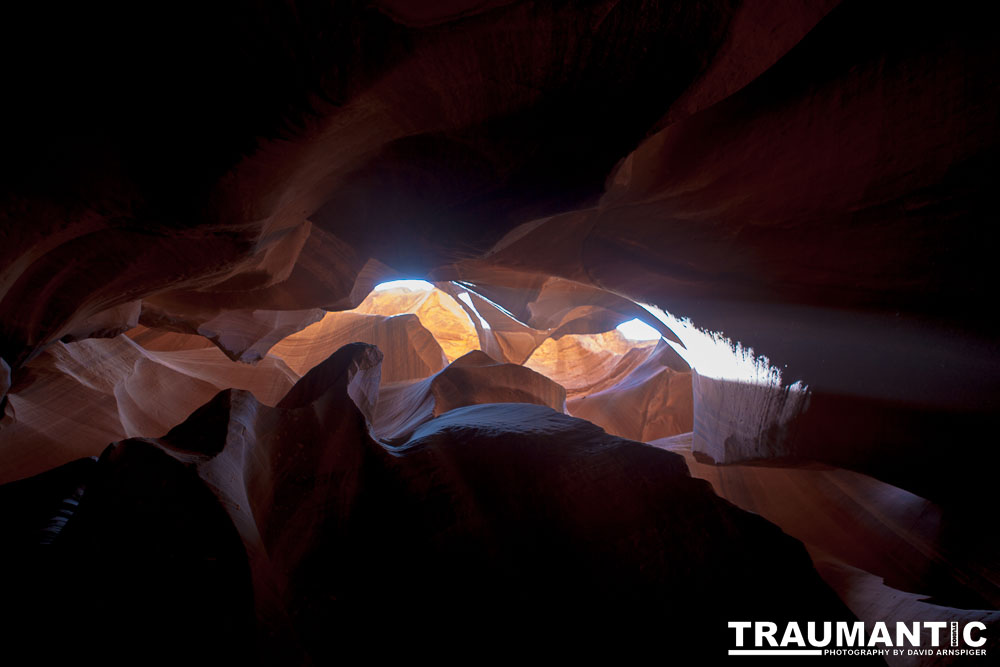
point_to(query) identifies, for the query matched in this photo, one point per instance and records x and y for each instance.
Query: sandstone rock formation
(4, 383)
(327, 186)
(203, 201)
(472, 379)
(443, 316)
(889, 554)
(411, 352)
(243, 335)
(648, 401)
(75, 398)
(289, 528)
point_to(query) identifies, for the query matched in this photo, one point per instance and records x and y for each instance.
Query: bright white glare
(638, 330)
(748, 405)
(412, 285)
(464, 296)
(715, 356)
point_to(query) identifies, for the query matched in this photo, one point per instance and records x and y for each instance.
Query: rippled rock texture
(75, 397)
(809, 178)
(202, 200)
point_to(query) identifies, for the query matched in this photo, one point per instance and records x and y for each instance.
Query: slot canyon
(496, 330)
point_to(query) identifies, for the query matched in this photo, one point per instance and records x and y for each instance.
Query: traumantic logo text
(843, 638)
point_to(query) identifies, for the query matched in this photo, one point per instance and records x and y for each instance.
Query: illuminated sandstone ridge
(78, 396)
(625, 386)
(437, 312)
(472, 379)
(603, 374)
(643, 403)
(411, 351)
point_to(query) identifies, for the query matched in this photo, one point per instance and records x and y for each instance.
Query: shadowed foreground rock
(288, 534)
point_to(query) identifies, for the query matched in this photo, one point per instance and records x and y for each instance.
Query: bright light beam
(464, 296)
(715, 356)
